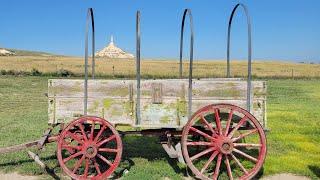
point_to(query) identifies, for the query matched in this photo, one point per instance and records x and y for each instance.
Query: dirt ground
(16, 176)
(285, 176)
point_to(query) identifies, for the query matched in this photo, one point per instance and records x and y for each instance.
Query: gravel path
(285, 176)
(16, 176)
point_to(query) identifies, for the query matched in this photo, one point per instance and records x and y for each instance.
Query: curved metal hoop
(138, 75)
(90, 17)
(187, 11)
(249, 49)
(138, 60)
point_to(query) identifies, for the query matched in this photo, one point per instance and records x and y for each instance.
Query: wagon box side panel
(109, 99)
(173, 109)
(163, 102)
(231, 92)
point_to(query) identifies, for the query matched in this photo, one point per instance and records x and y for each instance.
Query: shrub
(3, 72)
(64, 73)
(35, 72)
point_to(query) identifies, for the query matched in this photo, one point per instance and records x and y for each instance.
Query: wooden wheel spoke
(217, 170)
(75, 137)
(205, 167)
(78, 164)
(99, 133)
(201, 133)
(202, 153)
(106, 140)
(205, 122)
(228, 122)
(237, 126)
(96, 165)
(92, 130)
(246, 145)
(72, 156)
(82, 131)
(65, 146)
(200, 143)
(86, 169)
(227, 162)
(244, 135)
(239, 163)
(245, 155)
(218, 121)
(104, 159)
(108, 150)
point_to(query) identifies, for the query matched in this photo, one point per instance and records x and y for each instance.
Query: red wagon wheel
(89, 148)
(223, 140)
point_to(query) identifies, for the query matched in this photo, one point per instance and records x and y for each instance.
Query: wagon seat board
(163, 103)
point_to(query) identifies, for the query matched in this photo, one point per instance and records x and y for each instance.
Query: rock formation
(112, 51)
(5, 52)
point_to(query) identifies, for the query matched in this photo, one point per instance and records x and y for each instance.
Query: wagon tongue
(18, 147)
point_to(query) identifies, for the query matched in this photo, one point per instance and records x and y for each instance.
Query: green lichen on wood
(232, 92)
(182, 108)
(165, 119)
(116, 112)
(128, 107)
(119, 91)
(94, 107)
(259, 92)
(145, 92)
(107, 103)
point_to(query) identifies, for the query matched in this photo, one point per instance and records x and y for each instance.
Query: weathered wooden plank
(163, 102)
(172, 87)
(115, 110)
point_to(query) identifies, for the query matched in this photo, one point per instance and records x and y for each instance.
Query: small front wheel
(223, 141)
(89, 148)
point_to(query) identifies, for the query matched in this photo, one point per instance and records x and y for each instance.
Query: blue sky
(282, 30)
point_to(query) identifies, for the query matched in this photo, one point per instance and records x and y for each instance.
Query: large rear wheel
(223, 141)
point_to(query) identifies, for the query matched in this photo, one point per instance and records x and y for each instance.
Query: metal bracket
(173, 150)
(131, 99)
(43, 139)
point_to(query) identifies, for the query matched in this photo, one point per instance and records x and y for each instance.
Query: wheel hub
(224, 145)
(91, 151)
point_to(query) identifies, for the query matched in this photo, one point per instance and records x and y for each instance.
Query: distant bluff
(112, 51)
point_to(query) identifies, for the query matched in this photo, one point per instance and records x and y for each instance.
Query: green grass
(294, 120)
(293, 142)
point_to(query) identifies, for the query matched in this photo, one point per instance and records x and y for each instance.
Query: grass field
(293, 142)
(158, 68)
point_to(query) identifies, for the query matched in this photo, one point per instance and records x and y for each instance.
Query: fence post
(113, 70)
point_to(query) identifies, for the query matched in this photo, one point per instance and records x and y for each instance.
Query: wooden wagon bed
(163, 102)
